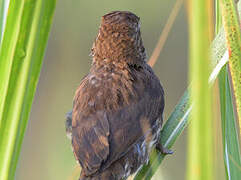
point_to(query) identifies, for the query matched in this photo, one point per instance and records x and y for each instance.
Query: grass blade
(200, 158)
(21, 53)
(229, 131)
(231, 151)
(233, 36)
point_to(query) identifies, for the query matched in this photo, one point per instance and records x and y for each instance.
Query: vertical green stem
(233, 37)
(21, 54)
(231, 151)
(200, 150)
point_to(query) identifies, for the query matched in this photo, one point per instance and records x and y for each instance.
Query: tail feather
(106, 175)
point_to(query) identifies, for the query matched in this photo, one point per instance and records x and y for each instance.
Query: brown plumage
(117, 112)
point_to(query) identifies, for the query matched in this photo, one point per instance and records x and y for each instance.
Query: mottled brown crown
(119, 38)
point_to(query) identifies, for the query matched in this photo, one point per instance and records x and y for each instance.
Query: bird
(118, 107)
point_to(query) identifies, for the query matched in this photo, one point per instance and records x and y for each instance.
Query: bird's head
(119, 38)
(121, 21)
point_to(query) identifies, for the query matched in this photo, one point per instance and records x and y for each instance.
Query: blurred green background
(46, 152)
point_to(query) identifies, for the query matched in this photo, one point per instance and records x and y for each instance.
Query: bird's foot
(163, 150)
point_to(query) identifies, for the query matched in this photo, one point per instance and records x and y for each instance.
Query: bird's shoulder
(112, 87)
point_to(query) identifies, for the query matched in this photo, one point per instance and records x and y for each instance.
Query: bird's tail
(106, 175)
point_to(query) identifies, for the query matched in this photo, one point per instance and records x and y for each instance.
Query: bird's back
(117, 118)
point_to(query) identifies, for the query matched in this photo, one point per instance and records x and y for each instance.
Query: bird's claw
(163, 150)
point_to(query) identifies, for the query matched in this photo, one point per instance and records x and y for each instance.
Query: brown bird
(117, 111)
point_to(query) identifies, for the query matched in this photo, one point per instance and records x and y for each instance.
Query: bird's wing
(106, 124)
(90, 129)
(90, 142)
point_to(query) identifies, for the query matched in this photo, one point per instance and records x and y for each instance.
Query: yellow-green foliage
(21, 53)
